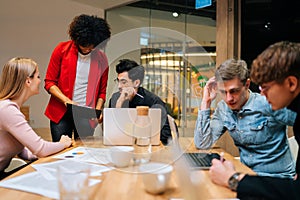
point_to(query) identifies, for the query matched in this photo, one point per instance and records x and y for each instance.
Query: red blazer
(62, 73)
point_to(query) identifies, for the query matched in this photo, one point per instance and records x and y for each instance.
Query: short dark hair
(135, 71)
(231, 69)
(87, 30)
(277, 62)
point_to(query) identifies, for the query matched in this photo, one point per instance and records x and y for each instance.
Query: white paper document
(35, 182)
(44, 180)
(49, 169)
(86, 154)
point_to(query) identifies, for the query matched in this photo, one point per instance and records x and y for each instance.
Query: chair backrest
(14, 164)
(293, 146)
(173, 127)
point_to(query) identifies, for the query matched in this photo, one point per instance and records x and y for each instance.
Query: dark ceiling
(180, 6)
(268, 21)
(263, 21)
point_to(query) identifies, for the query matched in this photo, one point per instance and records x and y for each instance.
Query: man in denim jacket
(257, 130)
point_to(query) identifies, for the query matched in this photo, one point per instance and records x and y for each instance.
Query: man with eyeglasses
(257, 130)
(131, 94)
(277, 71)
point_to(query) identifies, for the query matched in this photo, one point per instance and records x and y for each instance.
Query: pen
(77, 153)
(139, 95)
(135, 94)
(222, 156)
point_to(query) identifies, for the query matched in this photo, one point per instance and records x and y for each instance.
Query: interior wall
(33, 28)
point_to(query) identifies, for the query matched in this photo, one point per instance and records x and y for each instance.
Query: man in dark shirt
(277, 71)
(131, 94)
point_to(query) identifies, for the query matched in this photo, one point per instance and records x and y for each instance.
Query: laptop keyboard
(201, 160)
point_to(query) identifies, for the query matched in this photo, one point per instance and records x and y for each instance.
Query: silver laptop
(118, 125)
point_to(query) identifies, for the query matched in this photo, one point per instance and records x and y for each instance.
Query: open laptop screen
(118, 125)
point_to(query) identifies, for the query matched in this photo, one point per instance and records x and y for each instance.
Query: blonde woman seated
(18, 82)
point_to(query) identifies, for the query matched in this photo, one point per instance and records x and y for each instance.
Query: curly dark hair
(277, 62)
(135, 71)
(87, 30)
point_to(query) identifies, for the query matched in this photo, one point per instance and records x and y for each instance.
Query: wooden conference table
(118, 184)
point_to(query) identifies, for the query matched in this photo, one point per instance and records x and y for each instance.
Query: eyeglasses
(265, 88)
(233, 91)
(122, 81)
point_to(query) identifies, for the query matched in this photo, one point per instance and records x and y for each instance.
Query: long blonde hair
(14, 75)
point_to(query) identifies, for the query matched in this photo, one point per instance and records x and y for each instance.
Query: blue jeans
(66, 126)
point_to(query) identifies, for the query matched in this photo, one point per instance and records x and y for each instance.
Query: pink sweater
(18, 138)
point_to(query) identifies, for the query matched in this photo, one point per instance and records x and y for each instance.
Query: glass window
(178, 54)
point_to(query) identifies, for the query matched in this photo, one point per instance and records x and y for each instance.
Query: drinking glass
(73, 183)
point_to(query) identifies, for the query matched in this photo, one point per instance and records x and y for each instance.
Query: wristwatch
(234, 181)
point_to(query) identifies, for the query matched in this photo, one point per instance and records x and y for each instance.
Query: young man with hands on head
(277, 71)
(257, 130)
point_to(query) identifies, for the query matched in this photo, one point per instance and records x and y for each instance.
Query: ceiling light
(175, 14)
(268, 26)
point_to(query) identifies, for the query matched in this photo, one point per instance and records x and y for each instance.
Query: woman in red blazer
(77, 74)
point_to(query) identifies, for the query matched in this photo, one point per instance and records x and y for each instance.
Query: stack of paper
(44, 180)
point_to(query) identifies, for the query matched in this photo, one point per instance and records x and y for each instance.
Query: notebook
(83, 111)
(118, 125)
(201, 160)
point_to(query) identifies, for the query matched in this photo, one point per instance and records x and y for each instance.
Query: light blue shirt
(257, 131)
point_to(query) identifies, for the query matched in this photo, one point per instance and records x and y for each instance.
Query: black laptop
(200, 160)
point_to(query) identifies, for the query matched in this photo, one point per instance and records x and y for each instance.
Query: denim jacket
(257, 131)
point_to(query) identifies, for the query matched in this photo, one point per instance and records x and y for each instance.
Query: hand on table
(220, 172)
(66, 141)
